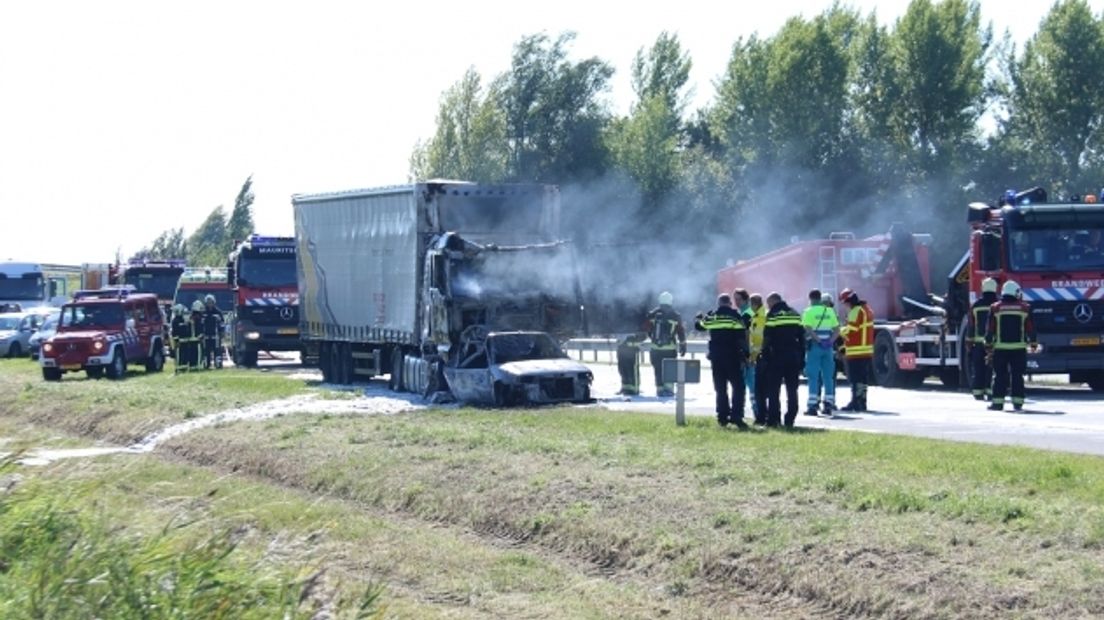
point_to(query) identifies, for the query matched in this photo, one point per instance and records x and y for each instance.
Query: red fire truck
(1053, 250)
(263, 277)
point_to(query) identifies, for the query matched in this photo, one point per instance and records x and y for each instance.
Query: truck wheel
(337, 364)
(248, 358)
(156, 362)
(951, 377)
(325, 364)
(395, 380)
(51, 374)
(95, 372)
(117, 369)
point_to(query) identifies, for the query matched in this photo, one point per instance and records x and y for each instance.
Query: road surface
(1058, 417)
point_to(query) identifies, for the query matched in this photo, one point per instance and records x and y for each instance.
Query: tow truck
(1053, 250)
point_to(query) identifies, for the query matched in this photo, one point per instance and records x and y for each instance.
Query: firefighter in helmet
(668, 335)
(1009, 335)
(858, 347)
(178, 331)
(981, 373)
(212, 329)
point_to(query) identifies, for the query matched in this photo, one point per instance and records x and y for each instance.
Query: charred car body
(390, 279)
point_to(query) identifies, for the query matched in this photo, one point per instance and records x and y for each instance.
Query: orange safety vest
(858, 334)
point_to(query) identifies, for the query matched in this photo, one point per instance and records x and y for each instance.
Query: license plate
(70, 366)
(1085, 342)
(287, 331)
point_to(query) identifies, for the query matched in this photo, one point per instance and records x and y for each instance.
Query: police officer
(1009, 333)
(821, 329)
(976, 324)
(212, 329)
(728, 353)
(781, 360)
(668, 335)
(858, 343)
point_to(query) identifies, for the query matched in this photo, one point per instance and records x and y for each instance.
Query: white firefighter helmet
(209, 299)
(666, 298)
(1011, 289)
(197, 306)
(988, 285)
(178, 309)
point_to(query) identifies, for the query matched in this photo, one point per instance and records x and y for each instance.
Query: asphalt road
(1059, 417)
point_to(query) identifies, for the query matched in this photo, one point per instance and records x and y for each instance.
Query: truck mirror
(990, 252)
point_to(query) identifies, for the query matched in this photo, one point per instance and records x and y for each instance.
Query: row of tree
(835, 121)
(211, 243)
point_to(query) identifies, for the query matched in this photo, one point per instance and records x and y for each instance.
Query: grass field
(588, 513)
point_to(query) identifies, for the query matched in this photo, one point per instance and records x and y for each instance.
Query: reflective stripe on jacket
(858, 334)
(758, 323)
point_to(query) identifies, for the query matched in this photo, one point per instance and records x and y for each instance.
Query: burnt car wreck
(514, 368)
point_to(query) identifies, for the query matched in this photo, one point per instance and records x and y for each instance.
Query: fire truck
(262, 274)
(158, 277)
(1053, 250)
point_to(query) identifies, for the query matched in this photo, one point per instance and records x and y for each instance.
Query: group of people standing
(757, 347)
(760, 350)
(196, 335)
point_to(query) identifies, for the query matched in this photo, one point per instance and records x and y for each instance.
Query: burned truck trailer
(399, 280)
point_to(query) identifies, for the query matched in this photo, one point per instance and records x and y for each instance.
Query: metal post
(680, 396)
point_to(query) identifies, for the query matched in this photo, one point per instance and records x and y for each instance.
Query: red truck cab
(101, 332)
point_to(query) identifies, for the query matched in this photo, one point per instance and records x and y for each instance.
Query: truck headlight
(48, 348)
(252, 335)
(98, 345)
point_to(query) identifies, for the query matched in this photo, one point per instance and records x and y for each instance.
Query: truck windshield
(506, 348)
(161, 282)
(21, 289)
(1056, 249)
(91, 315)
(224, 298)
(266, 272)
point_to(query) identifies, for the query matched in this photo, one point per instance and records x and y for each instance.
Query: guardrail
(607, 347)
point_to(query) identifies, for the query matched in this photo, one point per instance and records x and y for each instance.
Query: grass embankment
(588, 513)
(124, 411)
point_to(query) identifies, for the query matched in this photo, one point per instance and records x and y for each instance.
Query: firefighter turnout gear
(821, 329)
(780, 361)
(212, 320)
(858, 348)
(1008, 334)
(628, 365)
(981, 373)
(668, 335)
(728, 353)
(187, 332)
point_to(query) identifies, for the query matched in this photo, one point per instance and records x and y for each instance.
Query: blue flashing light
(256, 239)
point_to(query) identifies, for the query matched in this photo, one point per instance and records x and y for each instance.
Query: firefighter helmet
(178, 309)
(666, 299)
(209, 299)
(847, 296)
(988, 285)
(197, 306)
(1011, 289)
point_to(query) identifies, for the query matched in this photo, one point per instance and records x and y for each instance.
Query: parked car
(515, 368)
(45, 330)
(16, 329)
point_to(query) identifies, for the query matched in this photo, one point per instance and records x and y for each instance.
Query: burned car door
(468, 373)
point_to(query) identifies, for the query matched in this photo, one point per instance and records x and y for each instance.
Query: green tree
(554, 115)
(240, 224)
(663, 71)
(1056, 100)
(168, 245)
(207, 246)
(470, 140)
(937, 58)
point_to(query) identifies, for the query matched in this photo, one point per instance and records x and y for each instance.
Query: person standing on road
(212, 329)
(781, 359)
(728, 353)
(1009, 334)
(858, 347)
(977, 323)
(668, 335)
(821, 329)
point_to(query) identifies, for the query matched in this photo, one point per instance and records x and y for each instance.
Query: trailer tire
(324, 362)
(395, 379)
(346, 363)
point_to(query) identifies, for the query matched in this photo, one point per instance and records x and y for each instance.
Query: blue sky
(121, 119)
